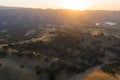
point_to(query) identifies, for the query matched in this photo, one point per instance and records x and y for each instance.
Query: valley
(37, 44)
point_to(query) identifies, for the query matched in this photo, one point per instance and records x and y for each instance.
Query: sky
(64, 4)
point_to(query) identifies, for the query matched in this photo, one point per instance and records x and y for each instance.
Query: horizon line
(56, 8)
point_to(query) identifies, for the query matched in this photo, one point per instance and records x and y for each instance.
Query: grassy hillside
(63, 54)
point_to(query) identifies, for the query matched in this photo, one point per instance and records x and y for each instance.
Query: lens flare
(75, 4)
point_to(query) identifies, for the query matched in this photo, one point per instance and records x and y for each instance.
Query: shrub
(30, 55)
(52, 75)
(22, 66)
(3, 54)
(0, 64)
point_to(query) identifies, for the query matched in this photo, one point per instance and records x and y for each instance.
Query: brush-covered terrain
(62, 53)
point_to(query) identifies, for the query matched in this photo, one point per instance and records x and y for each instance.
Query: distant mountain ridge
(34, 17)
(7, 7)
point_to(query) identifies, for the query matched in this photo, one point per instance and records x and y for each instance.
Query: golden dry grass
(100, 75)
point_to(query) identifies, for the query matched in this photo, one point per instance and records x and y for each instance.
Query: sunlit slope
(100, 75)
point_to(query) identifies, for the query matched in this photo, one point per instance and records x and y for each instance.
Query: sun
(75, 4)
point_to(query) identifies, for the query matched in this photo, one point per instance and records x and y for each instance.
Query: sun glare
(75, 4)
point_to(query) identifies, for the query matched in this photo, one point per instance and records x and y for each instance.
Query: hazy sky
(93, 4)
